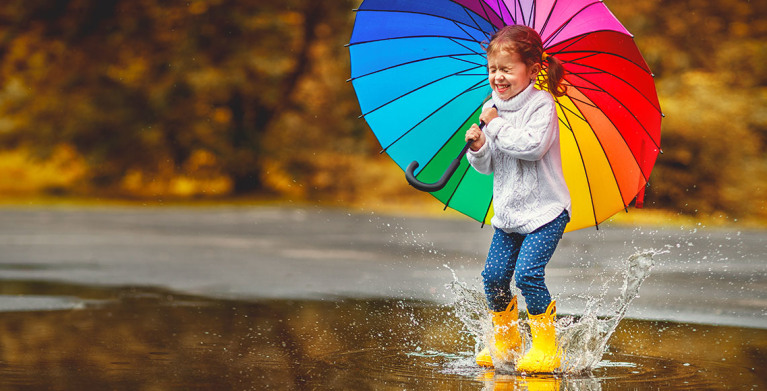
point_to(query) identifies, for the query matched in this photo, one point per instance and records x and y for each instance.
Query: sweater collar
(516, 102)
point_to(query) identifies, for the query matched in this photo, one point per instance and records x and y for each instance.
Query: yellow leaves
(714, 160)
(32, 53)
(291, 18)
(198, 7)
(200, 176)
(222, 115)
(137, 184)
(13, 89)
(131, 71)
(350, 179)
(22, 174)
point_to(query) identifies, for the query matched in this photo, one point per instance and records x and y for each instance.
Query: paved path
(703, 275)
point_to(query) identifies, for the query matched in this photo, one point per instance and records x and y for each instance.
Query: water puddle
(582, 340)
(134, 339)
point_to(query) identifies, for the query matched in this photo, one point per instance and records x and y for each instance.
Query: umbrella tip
(661, 152)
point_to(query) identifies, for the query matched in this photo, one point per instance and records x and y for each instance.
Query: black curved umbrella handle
(436, 186)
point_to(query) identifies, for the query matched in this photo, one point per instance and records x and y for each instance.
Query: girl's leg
(536, 251)
(499, 269)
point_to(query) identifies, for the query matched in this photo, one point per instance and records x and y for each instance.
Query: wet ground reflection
(138, 339)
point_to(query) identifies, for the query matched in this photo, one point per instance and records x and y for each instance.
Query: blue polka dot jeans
(524, 257)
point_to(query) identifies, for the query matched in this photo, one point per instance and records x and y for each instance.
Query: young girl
(520, 146)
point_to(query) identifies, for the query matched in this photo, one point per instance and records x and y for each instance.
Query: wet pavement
(132, 339)
(706, 275)
(291, 298)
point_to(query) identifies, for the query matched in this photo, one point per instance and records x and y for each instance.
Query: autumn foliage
(215, 98)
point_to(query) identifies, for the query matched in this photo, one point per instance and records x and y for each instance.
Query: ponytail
(555, 75)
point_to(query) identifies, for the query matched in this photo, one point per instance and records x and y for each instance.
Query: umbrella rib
(587, 54)
(593, 53)
(602, 71)
(584, 102)
(471, 14)
(591, 104)
(581, 37)
(567, 22)
(518, 5)
(464, 30)
(501, 6)
(636, 161)
(604, 152)
(476, 64)
(573, 41)
(548, 17)
(568, 125)
(408, 37)
(421, 13)
(599, 88)
(533, 7)
(487, 210)
(526, 19)
(486, 9)
(465, 171)
(579, 115)
(586, 73)
(473, 87)
(416, 89)
(455, 190)
(461, 43)
(629, 147)
(452, 56)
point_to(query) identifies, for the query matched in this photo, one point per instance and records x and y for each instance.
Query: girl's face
(508, 74)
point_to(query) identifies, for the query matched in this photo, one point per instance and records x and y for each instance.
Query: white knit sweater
(522, 151)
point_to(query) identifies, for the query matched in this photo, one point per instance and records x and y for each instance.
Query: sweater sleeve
(481, 159)
(533, 138)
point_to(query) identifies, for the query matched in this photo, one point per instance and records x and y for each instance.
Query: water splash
(582, 340)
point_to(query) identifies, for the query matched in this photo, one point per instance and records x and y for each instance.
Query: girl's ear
(534, 70)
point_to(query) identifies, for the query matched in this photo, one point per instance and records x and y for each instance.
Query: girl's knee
(495, 279)
(528, 281)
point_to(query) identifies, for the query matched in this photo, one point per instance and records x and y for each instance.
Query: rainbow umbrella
(419, 72)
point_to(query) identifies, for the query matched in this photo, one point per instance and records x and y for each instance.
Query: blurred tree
(710, 61)
(142, 86)
(236, 96)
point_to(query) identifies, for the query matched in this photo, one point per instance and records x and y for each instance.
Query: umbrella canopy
(419, 71)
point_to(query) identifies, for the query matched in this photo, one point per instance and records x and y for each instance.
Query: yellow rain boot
(506, 339)
(543, 356)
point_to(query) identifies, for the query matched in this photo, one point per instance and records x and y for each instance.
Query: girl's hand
(488, 115)
(476, 134)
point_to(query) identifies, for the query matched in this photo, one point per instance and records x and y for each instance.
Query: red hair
(527, 43)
